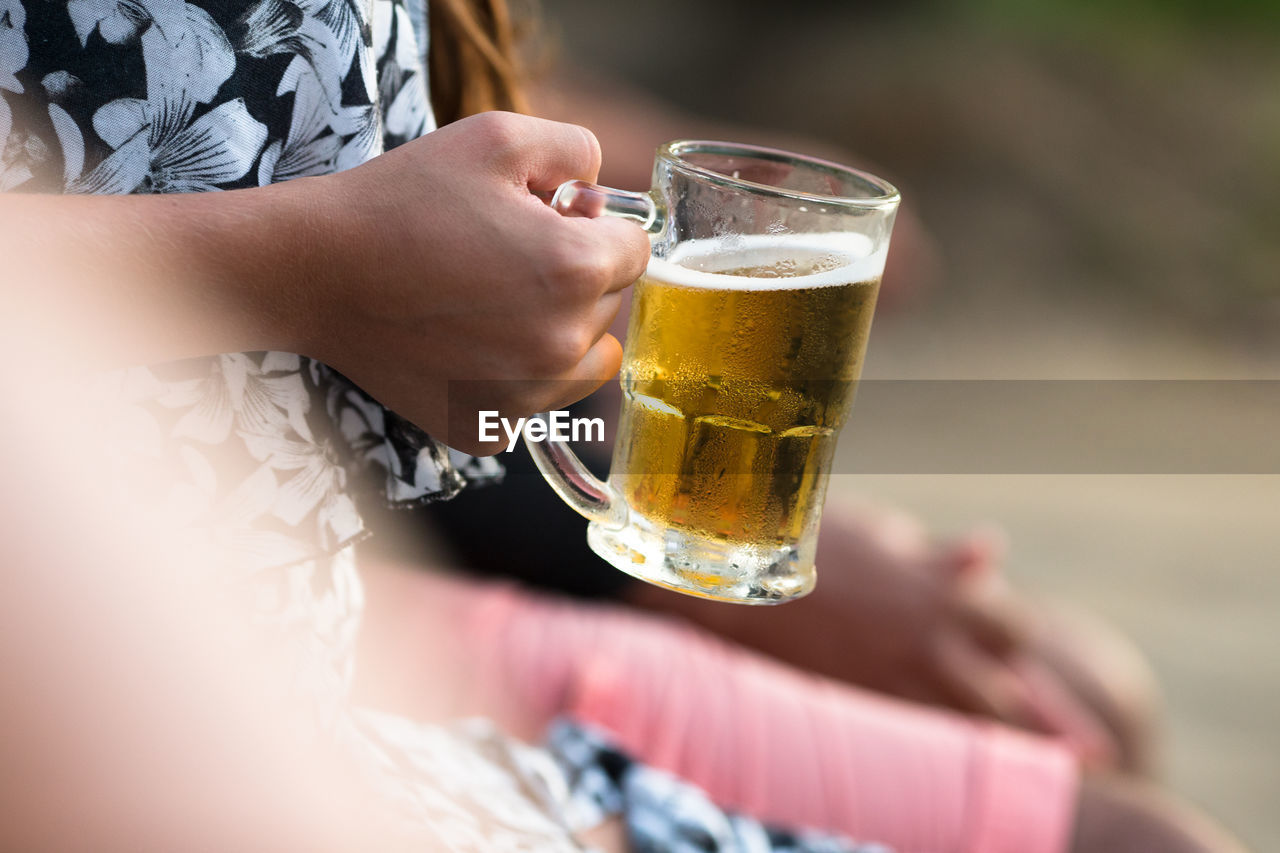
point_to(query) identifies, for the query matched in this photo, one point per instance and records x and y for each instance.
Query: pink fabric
(766, 739)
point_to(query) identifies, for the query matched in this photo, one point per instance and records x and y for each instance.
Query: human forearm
(142, 279)
(416, 274)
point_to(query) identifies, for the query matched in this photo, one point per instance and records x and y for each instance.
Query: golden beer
(740, 367)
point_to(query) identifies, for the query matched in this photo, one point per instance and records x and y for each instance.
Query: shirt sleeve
(413, 467)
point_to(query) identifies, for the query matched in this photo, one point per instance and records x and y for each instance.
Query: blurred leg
(1111, 677)
(1124, 816)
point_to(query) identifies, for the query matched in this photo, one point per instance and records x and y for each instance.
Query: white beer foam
(695, 263)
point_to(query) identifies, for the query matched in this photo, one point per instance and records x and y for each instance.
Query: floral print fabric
(121, 96)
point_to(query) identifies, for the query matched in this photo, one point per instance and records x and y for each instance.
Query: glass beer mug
(745, 343)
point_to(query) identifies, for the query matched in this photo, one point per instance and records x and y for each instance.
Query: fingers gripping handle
(582, 198)
(573, 481)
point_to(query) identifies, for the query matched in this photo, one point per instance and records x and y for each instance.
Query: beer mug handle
(572, 480)
(593, 498)
(582, 198)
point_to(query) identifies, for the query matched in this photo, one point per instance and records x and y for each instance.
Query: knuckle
(519, 399)
(564, 347)
(623, 252)
(577, 271)
(591, 150)
(526, 401)
(499, 133)
(590, 274)
(639, 251)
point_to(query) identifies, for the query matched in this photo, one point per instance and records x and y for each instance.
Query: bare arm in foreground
(138, 715)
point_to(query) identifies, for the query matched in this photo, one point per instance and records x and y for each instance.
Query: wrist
(323, 252)
(258, 264)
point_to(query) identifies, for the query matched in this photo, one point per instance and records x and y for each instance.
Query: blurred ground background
(1103, 182)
